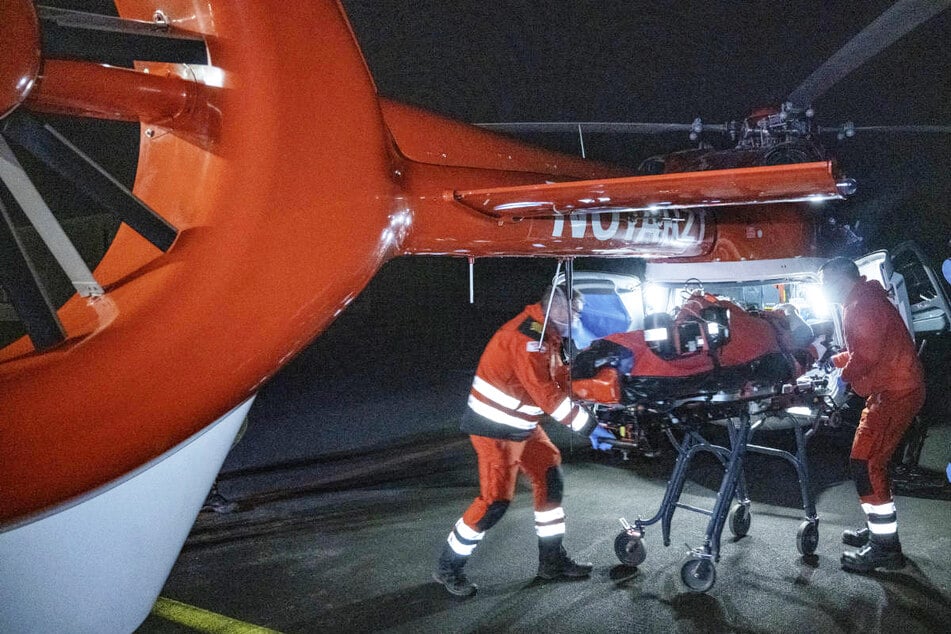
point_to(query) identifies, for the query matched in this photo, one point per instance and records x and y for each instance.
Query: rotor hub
(20, 62)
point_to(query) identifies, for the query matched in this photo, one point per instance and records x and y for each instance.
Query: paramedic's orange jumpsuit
(881, 363)
(513, 388)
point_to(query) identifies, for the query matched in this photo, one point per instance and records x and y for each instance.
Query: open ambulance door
(926, 305)
(912, 286)
(928, 302)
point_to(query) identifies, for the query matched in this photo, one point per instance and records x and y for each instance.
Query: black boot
(449, 573)
(554, 562)
(857, 537)
(880, 552)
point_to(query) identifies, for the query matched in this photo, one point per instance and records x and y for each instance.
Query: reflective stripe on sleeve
(498, 416)
(580, 420)
(494, 394)
(499, 397)
(562, 411)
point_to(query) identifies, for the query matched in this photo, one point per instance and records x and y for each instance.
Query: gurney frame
(742, 412)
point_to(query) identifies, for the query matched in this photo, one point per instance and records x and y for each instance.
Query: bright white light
(713, 328)
(655, 334)
(655, 298)
(799, 411)
(821, 307)
(213, 76)
(519, 205)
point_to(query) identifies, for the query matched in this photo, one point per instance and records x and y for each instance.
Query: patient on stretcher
(711, 346)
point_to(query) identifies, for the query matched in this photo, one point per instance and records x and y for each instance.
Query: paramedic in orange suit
(881, 364)
(514, 386)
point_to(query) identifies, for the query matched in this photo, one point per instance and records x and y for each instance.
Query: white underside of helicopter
(97, 564)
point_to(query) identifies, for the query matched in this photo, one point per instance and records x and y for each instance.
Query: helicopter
(120, 404)
(786, 130)
(770, 135)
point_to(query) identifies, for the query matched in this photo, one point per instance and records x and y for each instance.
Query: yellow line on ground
(203, 620)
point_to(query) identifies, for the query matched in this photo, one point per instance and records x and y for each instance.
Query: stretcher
(680, 375)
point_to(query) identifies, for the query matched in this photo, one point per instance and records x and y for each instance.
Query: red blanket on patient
(751, 337)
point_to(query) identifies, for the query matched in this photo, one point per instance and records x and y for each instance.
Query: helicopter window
(804, 295)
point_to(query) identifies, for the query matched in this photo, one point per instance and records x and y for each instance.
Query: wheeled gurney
(680, 376)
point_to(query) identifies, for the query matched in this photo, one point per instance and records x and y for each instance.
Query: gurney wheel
(807, 539)
(698, 574)
(629, 549)
(740, 519)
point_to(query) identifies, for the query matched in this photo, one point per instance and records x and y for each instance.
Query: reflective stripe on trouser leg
(463, 540)
(550, 523)
(882, 518)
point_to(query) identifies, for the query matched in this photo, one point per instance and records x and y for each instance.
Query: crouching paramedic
(514, 386)
(881, 364)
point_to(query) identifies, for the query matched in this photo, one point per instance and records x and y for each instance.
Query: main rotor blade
(90, 36)
(897, 129)
(53, 149)
(899, 19)
(610, 127)
(24, 287)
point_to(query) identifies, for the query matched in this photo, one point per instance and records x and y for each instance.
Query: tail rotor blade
(53, 149)
(23, 285)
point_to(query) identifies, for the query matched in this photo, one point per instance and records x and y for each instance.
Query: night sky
(660, 61)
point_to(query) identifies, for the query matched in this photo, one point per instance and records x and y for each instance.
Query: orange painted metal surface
(20, 61)
(107, 92)
(446, 227)
(441, 227)
(287, 206)
(275, 241)
(714, 188)
(426, 137)
(763, 232)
